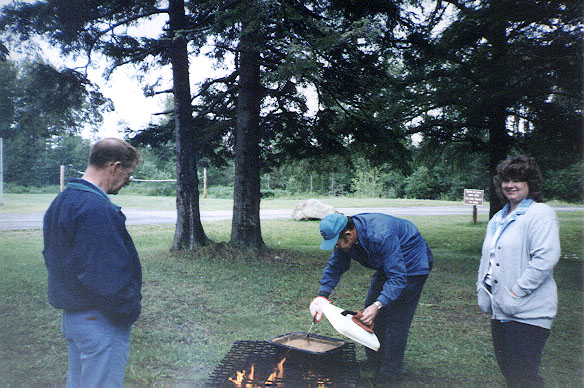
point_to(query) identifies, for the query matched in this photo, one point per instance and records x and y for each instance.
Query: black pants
(518, 347)
(392, 323)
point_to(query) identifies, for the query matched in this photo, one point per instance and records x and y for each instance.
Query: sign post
(475, 198)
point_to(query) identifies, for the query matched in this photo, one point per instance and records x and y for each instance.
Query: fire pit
(263, 364)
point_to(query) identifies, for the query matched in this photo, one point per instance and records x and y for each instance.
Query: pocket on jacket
(536, 305)
(484, 300)
(509, 304)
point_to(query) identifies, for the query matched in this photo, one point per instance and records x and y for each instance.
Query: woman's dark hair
(113, 150)
(520, 168)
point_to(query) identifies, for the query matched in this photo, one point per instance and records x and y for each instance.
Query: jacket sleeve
(394, 267)
(337, 265)
(544, 251)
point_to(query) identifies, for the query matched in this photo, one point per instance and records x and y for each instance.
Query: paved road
(146, 217)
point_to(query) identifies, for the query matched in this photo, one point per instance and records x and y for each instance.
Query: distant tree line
(329, 176)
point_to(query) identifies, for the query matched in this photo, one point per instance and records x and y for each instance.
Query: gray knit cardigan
(525, 254)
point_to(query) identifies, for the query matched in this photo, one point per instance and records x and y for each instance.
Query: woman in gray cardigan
(515, 278)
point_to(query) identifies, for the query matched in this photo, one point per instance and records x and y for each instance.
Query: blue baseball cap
(330, 227)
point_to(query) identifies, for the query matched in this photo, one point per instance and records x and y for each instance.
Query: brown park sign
(473, 197)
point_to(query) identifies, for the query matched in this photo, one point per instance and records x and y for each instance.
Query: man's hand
(317, 305)
(369, 314)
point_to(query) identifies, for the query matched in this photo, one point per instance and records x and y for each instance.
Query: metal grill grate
(338, 369)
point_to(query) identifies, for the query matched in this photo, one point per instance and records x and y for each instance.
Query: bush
(276, 193)
(419, 184)
(219, 192)
(367, 183)
(13, 188)
(566, 185)
(156, 189)
(393, 184)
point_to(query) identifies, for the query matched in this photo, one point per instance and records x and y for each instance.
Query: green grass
(38, 203)
(197, 304)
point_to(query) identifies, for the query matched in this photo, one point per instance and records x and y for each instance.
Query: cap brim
(327, 245)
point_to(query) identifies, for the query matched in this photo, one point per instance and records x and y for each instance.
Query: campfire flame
(278, 373)
(242, 376)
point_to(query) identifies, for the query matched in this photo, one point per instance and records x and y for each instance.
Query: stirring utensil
(309, 330)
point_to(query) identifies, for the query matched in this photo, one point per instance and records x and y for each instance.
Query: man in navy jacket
(94, 273)
(402, 260)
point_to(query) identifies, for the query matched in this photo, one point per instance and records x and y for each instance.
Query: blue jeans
(392, 323)
(518, 347)
(98, 350)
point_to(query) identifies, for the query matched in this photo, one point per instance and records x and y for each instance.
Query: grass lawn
(38, 203)
(197, 304)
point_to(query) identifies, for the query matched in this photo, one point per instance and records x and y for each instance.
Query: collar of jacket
(84, 187)
(520, 210)
(360, 234)
(502, 219)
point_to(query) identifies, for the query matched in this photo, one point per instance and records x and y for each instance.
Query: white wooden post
(332, 185)
(204, 183)
(62, 178)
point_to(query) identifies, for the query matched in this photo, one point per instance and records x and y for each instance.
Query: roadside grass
(39, 203)
(197, 304)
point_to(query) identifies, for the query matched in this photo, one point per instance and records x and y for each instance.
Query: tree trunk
(499, 146)
(499, 139)
(245, 229)
(189, 231)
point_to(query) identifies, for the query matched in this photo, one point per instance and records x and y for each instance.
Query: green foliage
(367, 182)
(17, 189)
(157, 189)
(420, 184)
(41, 107)
(499, 77)
(521, 64)
(393, 184)
(566, 184)
(38, 163)
(44, 101)
(220, 192)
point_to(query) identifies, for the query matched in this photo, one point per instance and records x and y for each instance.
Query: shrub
(157, 189)
(566, 184)
(13, 188)
(219, 192)
(367, 183)
(419, 184)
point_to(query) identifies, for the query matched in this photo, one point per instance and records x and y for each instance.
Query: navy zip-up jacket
(90, 257)
(386, 243)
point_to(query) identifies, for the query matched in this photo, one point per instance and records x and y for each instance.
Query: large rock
(312, 209)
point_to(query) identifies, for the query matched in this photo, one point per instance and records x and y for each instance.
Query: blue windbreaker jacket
(390, 244)
(90, 257)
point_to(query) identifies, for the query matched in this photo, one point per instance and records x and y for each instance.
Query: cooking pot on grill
(310, 344)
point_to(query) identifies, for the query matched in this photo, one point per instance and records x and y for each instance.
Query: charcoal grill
(300, 369)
